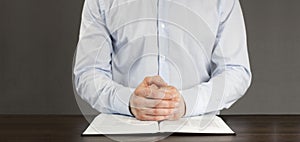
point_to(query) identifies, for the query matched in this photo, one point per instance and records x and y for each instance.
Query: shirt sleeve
(92, 68)
(231, 76)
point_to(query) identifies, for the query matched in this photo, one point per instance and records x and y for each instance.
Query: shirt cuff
(196, 100)
(122, 99)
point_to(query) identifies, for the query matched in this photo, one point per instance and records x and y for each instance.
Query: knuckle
(159, 104)
(147, 104)
(168, 111)
(163, 104)
(171, 104)
(165, 112)
(137, 91)
(143, 92)
(172, 87)
(139, 105)
(155, 103)
(159, 118)
(141, 117)
(157, 77)
(135, 102)
(147, 78)
(155, 111)
(146, 91)
(172, 111)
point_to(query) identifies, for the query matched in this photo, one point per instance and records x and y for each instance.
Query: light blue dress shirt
(198, 46)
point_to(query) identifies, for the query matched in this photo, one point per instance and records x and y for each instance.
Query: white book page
(119, 124)
(197, 124)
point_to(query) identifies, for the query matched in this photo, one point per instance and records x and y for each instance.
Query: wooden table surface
(65, 128)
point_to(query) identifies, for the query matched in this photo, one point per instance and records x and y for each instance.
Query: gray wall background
(38, 39)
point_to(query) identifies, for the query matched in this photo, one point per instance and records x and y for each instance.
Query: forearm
(102, 93)
(230, 68)
(220, 92)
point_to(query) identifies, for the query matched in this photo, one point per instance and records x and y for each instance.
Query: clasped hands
(155, 100)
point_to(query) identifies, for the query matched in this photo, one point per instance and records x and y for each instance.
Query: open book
(119, 124)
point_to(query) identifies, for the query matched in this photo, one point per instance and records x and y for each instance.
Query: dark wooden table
(57, 128)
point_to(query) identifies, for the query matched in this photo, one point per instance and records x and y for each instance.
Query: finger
(171, 91)
(157, 80)
(159, 94)
(141, 103)
(159, 112)
(167, 104)
(172, 117)
(154, 93)
(153, 103)
(148, 92)
(152, 118)
(153, 86)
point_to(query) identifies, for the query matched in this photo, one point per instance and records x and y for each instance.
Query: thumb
(156, 80)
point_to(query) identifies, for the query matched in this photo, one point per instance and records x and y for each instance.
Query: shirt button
(163, 58)
(163, 26)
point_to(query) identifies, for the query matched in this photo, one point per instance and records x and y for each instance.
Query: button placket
(163, 41)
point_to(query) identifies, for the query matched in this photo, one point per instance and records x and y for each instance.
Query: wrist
(130, 108)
